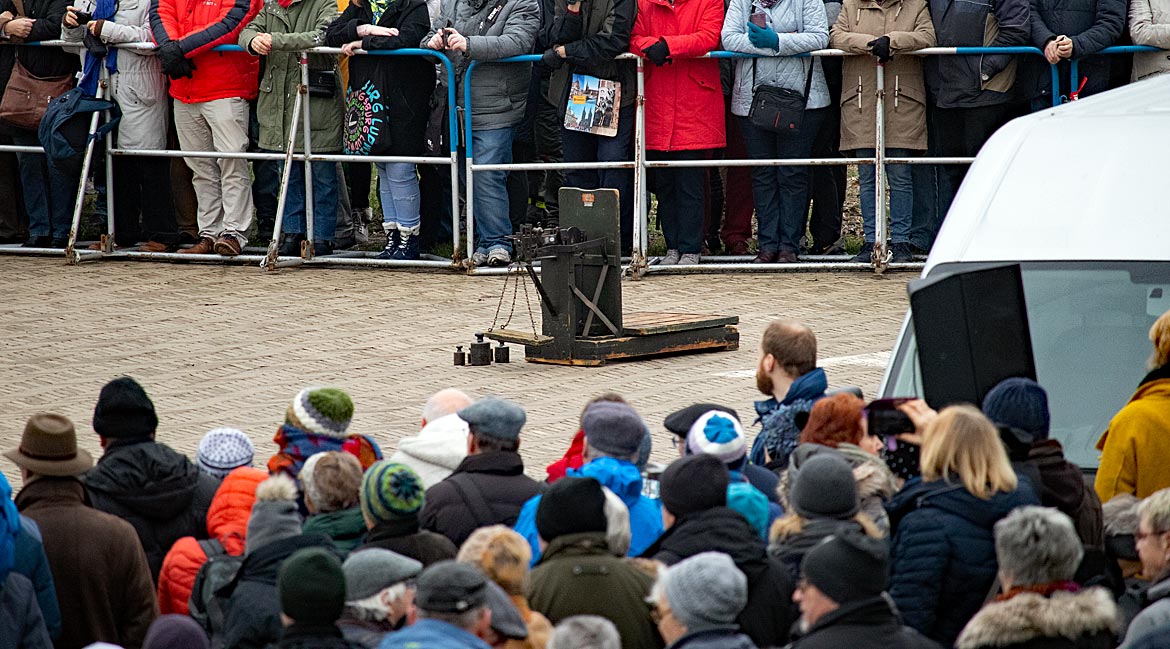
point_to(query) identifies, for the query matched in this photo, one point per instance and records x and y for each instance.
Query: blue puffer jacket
(432, 634)
(943, 554)
(622, 478)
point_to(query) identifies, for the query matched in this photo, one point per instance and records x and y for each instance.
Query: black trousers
(961, 132)
(680, 193)
(827, 184)
(143, 209)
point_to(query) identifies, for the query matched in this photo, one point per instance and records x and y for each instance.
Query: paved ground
(231, 345)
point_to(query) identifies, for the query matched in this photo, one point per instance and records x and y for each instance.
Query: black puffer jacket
(769, 613)
(157, 490)
(253, 605)
(486, 489)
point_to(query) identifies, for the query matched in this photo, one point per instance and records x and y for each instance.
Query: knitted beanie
(706, 590)
(694, 483)
(373, 570)
(274, 514)
(175, 632)
(124, 411)
(824, 487)
(311, 584)
(502, 554)
(571, 506)
(719, 434)
(223, 449)
(614, 429)
(391, 491)
(1021, 404)
(321, 411)
(847, 566)
(752, 503)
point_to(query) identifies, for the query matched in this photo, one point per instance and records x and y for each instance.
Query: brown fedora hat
(49, 447)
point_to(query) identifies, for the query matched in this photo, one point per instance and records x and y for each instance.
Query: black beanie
(695, 483)
(847, 566)
(124, 411)
(311, 584)
(571, 506)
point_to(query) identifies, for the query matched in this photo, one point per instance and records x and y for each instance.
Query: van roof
(1089, 180)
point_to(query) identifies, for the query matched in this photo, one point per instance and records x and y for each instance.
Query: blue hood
(622, 478)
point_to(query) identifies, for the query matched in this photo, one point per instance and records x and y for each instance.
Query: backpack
(205, 606)
(64, 130)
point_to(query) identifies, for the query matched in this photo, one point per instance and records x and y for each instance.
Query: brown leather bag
(27, 96)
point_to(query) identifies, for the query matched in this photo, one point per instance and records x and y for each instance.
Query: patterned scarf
(378, 7)
(1044, 590)
(297, 445)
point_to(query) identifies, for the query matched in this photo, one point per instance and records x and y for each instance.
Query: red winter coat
(198, 26)
(227, 521)
(684, 98)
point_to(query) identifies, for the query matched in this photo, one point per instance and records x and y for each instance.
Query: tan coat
(907, 23)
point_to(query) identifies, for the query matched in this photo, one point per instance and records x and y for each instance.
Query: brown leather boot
(227, 245)
(205, 246)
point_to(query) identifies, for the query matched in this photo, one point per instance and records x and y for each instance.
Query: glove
(764, 38)
(658, 53)
(174, 63)
(880, 47)
(551, 59)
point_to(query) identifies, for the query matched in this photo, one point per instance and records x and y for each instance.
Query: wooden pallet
(649, 323)
(646, 335)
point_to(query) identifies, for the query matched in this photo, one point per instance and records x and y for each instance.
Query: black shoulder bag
(779, 109)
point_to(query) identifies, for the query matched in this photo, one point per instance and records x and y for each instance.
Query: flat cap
(495, 417)
(679, 422)
(450, 587)
(373, 570)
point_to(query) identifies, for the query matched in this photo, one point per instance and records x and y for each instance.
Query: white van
(1080, 197)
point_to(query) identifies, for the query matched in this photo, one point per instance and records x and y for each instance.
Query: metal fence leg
(71, 255)
(269, 261)
(453, 146)
(881, 248)
(469, 161)
(307, 244)
(108, 240)
(638, 263)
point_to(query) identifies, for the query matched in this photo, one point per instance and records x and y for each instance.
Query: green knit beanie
(391, 491)
(311, 584)
(322, 411)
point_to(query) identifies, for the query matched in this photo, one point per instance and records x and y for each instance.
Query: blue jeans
(586, 147)
(901, 196)
(49, 191)
(324, 200)
(490, 201)
(398, 187)
(781, 193)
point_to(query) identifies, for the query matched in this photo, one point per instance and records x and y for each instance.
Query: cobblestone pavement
(231, 346)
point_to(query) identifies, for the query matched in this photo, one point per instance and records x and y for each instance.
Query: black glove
(174, 63)
(880, 47)
(551, 59)
(658, 52)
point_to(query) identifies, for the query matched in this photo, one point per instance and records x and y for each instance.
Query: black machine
(579, 287)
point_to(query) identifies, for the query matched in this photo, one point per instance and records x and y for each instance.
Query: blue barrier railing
(1074, 77)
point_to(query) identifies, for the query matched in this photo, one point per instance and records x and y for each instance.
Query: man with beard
(788, 375)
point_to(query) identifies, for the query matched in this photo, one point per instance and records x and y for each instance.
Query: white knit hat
(224, 449)
(717, 433)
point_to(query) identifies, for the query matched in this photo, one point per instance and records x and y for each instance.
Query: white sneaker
(479, 259)
(499, 257)
(689, 259)
(670, 259)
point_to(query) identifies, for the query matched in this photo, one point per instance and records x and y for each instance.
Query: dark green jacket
(300, 26)
(346, 528)
(575, 569)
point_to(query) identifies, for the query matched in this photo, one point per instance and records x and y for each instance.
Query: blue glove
(765, 38)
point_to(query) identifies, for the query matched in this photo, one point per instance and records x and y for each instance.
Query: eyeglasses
(676, 441)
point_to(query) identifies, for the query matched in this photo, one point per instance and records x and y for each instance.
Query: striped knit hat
(321, 411)
(391, 491)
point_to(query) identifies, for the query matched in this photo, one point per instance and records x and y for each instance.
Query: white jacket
(436, 450)
(1149, 24)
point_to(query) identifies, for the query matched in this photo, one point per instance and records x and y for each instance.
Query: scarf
(378, 7)
(1044, 590)
(297, 445)
(89, 79)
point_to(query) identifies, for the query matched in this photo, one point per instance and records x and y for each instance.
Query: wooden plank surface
(651, 323)
(518, 337)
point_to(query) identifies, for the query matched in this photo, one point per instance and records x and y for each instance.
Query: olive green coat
(907, 23)
(299, 27)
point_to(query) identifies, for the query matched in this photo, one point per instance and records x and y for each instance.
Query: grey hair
(372, 608)
(467, 620)
(1155, 510)
(585, 632)
(617, 524)
(1121, 515)
(445, 402)
(1037, 545)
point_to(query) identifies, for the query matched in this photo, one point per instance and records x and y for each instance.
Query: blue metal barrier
(1074, 80)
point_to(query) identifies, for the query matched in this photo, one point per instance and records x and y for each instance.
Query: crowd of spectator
(993, 539)
(696, 109)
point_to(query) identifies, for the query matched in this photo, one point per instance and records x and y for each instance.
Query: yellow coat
(1135, 450)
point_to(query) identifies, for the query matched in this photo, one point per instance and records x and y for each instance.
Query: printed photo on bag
(593, 105)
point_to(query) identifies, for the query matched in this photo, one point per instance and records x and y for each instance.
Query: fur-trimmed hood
(1030, 616)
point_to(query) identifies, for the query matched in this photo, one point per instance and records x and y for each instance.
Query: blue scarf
(89, 80)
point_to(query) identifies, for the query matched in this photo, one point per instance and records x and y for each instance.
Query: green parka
(299, 27)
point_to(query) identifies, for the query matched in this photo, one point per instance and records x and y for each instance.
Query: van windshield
(1089, 323)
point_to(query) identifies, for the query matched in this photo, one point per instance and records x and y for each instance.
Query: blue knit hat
(1021, 404)
(717, 433)
(391, 491)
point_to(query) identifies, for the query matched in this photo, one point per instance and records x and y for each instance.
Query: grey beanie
(706, 590)
(824, 487)
(274, 514)
(373, 570)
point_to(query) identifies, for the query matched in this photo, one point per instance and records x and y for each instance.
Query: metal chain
(500, 305)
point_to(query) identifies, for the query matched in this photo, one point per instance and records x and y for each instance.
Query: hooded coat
(575, 569)
(227, 522)
(623, 479)
(1134, 447)
(865, 624)
(791, 548)
(453, 507)
(876, 484)
(99, 568)
(942, 559)
(769, 613)
(1085, 620)
(157, 490)
(1062, 485)
(32, 563)
(435, 452)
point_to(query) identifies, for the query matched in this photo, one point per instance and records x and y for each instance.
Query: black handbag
(777, 109)
(322, 83)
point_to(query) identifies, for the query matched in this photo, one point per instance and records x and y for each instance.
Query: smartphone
(759, 19)
(886, 421)
(83, 18)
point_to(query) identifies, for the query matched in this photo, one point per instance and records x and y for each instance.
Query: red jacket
(684, 98)
(227, 521)
(198, 26)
